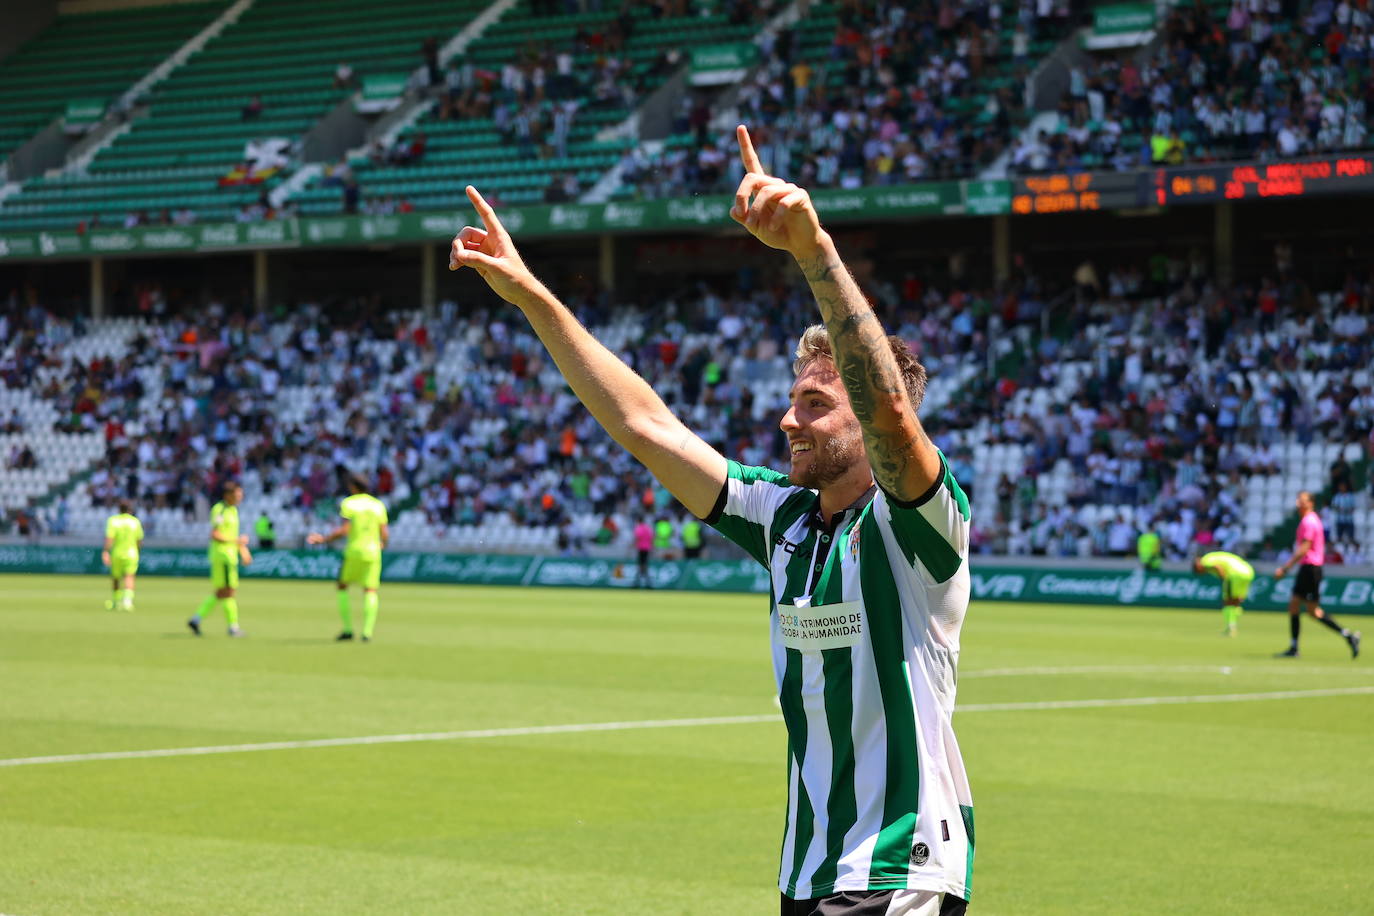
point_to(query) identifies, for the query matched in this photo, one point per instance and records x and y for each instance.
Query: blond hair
(815, 344)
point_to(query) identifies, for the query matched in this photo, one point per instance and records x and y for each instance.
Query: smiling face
(823, 435)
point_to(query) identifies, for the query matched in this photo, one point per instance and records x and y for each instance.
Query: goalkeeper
(365, 526)
(1235, 575)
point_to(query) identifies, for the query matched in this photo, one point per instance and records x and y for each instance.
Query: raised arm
(622, 402)
(781, 215)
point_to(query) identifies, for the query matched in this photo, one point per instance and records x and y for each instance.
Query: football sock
(206, 607)
(231, 611)
(1294, 626)
(1326, 619)
(369, 613)
(129, 596)
(345, 614)
(1232, 614)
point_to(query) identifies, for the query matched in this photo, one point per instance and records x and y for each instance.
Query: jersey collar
(817, 521)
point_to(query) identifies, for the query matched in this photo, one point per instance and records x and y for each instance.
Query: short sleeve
(932, 530)
(138, 530)
(346, 509)
(110, 527)
(747, 504)
(381, 512)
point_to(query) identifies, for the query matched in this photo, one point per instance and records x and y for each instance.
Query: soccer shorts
(224, 571)
(1236, 588)
(361, 569)
(1308, 584)
(877, 903)
(123, 566)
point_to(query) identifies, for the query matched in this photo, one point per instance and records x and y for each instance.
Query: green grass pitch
(1259, 805)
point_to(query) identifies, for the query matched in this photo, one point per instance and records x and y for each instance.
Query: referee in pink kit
(1310, 551)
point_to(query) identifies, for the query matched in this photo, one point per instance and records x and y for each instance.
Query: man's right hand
(492, 254)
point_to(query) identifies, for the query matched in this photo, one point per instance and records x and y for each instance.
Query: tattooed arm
(905, 462)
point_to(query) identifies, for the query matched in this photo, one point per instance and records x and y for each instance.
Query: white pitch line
(391, 739)
(1165, 701)
(1096, 669)
(1051, 671)
(656, 723)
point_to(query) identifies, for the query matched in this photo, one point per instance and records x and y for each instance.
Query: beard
(830, 462)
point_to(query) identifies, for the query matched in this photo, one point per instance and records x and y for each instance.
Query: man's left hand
(775, 212)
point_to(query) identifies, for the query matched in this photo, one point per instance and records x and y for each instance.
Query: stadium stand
(93, 57)
(1226, 82)
(853, 94)
(270, 75)
(868, 94)
(542, 83)
(1153, 398)
(1161, 402)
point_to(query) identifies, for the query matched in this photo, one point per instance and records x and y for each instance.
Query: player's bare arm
(1299, 552)
(331, 537)
(781, 215)
(622, 402)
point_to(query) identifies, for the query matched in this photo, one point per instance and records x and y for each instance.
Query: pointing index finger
(746, 151)
(484, 210)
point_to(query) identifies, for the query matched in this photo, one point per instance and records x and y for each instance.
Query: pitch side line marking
(1164, 701)
(656, 723)
(1266, 670)
(395, 739)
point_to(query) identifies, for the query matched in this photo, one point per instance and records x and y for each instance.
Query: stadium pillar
(606, 264)
(428, 281)
(1224, 241)
(1001, 247)
(97, 288)
(260, 294)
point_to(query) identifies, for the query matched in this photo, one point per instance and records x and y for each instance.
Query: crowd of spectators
(1152, 398)
(1183, 394)
(900, 93)
(1271, 79)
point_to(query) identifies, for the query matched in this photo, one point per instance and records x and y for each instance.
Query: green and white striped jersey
(864, 617)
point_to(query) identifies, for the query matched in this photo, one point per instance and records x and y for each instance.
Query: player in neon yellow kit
(365, 526)
(123, 535)
(1235, 575)
(227, 548)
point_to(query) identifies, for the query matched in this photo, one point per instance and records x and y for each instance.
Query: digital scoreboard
(1074, 192)
(1264, 181)
(1079, 192)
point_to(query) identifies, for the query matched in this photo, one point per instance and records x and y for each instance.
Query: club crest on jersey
(854, 544)
(920, 854)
